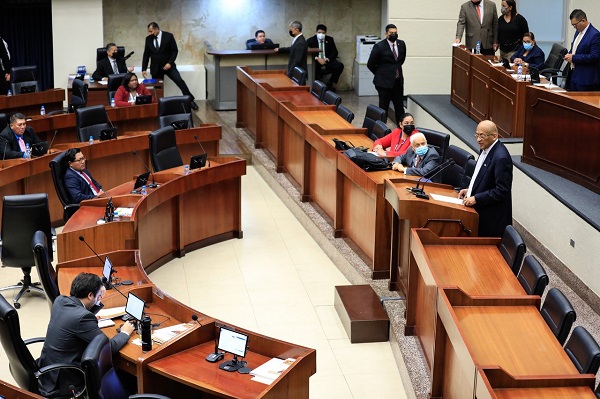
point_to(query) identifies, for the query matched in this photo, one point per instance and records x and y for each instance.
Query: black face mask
(408, 129)
(393, 37)
(291, 34)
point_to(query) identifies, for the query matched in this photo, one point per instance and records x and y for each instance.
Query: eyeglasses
(481, 135)
(82, 159)
(576, 23)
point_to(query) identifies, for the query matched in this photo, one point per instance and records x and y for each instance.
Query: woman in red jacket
(129, 90)
(398, 141)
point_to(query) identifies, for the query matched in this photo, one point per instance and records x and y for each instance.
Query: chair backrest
(163, 149)
(555, 57)
(101, 379)
(380, 130)
(299, 76)
(79, 94)
(345, 113)
(22, 216)
(114, 81)
(331, 98)
(440, 141)
(455, 175)
(90, 121)
(175, 108)
(558, 313)
(101, 52)
(469, 171)
(58, 168)
(318, 89)
(583, 350)
(532, 276)
(23, 76)
(374, 113)
(512, 248)
(48, 277)
(3, 121)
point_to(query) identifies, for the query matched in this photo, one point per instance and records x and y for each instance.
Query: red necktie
(90, 182)
(417, 161)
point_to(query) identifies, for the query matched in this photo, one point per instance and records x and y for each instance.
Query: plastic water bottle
(478, 48)
(91, 80)
(186, 170)
(27, 151)
(43, 110)
(112, 102)
(144, 190)
(91, 141)
(9, 93)
(520, 73)
(116, 216)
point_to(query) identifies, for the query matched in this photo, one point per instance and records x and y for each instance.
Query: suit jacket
(104, 68)
(251, 42)
(165, 54)
(535, 58)
(77, 187)
(331, 50)
(430, 161)
(298, 53)
(587, 59)
(486, 32)
(383, 65)
(71, 328)
(9, 141)
(492, 191)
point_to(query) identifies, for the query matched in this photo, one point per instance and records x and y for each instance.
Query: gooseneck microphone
(153, 185)
(203, 150)
(52, 141)
(82, 239)
(195, 318)
(420, 192)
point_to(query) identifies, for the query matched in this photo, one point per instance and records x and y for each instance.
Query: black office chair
(299, 76)
(58, 168)
(512, 247)
(440, 141)
(380, 130)
(554, 61)
(48, 276)
(331, 98)
(455, 175)
(79, 94)
(597, 391)
(374, 113)
(558, 313)
(22, 365)
(318, 89)
(345, 113)
(163, 149)
(90, 121)
(114, 81)
(584, 351)
(24, 79)
(101, 53)
(22, 216)
(3, 121)
(532, 276)
(174, 110)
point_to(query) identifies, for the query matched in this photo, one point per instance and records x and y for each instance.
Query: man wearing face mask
(419, 160)
(479, 18)
(110, 65)
(385, 61)
(584, 56)
(71, 328)
(298, 50)
(327, 57)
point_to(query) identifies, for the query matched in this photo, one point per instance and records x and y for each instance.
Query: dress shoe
(194, 106)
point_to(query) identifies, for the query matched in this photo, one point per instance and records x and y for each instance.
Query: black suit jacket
(298, 53)
(165, 54)
(71, 328)
(430, 161)
(331, 50)
(384, 66)
(104, 68)
(9, 141)
(78, 188)
(492, 191)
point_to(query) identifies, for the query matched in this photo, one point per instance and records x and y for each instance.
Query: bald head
(486, 134)
(487, 127)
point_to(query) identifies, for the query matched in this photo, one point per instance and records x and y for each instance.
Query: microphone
(433, 172)
(195, 318)
(52, 141)
(216, 355)
(109, 121)
(4, 154)
(82, 239)
(128, 55)
(153, 185)
(420, 193)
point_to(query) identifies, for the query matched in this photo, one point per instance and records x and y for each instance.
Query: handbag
(342, 145)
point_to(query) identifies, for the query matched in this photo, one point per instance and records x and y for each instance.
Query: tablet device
(135, 306)
(108, 134)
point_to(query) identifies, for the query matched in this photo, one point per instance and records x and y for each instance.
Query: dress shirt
(480, 162)
(88, 181)
(294, 39)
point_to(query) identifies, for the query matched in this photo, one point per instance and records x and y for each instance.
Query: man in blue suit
(584, 57)
(78, 182)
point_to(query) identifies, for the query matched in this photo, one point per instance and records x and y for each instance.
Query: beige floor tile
(374, 357)
(380, 385)
(327, 363)
(331, 387)
(331, 323)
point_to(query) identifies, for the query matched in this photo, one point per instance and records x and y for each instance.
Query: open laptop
(27, 89)
(108, 134)
(141, 180)
(135, 306)
(198, 161)
(142, 100)
(39, 149)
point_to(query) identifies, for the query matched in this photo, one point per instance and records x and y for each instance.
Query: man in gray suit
(480, 20)
(72, 327)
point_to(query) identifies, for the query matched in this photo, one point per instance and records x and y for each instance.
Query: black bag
(342, 145)
(367, 161)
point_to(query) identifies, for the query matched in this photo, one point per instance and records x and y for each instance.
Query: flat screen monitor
(108, 134)
(141, 100)
(39, 149)
(135, 306)
(233, 342)
(141, 180)
(108, 267)
(198, 161)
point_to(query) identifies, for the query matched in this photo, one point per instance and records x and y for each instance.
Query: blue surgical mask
(527, 46)
(421, 150)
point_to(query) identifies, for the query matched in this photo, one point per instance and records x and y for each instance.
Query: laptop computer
(108, 134)
(141, 100)
(264, 46)
(141, 180)
(135, 306)
(198, 161)
(180, 125)
(39, 149)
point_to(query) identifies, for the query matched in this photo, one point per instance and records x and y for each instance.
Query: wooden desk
(30, 104)
(9, 391)
(98, 95)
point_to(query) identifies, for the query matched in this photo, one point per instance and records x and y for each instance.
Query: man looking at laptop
(15, 137)
(78, 182)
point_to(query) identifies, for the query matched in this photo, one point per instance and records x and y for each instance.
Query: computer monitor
(198, 161)
(233, 342)
(107, 270)
(135, 306)
(39, 149)
(141, 100)
(28, 89)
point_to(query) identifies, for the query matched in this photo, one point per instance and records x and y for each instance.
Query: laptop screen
(135, 306)
(107, 271)
(233, 342)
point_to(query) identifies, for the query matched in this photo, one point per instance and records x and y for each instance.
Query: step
(361, 313)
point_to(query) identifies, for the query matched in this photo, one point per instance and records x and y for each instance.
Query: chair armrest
(148, 396)
(549, 70)
(59, 366)
(34, 340)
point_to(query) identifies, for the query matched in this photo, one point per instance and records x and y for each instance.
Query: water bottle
(144, 190)
(116, 216)
(91, 141)
(478, 48)
(43, 110)
(520, 73)
(186, 170)
(27, 151)
(91, 80)
(112, 102)
(9, 93)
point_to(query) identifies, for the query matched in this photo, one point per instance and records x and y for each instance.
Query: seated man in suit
(419, 160)
(259, 38)
(16, 136)
(112, 64)
(71, 328)
(327, 58)
(78, 182)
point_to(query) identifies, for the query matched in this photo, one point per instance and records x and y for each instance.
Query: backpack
(367, 161)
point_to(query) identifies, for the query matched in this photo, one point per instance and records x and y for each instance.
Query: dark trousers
(4, 85)
(395, 95)
(334, 67)
(175, 76)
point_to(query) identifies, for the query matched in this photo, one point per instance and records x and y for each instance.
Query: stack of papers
(111, 313)
(269, 371)
(124, 212)
(163, 335)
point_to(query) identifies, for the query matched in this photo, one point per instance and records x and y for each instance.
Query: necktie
(22, 144)
(417, 161)
(395, 58)
(115, 68)
(91, 183)
(155, 41)
(478, 12)
(575, 45)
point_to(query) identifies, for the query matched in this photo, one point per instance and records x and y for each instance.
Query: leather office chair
(48, 277)
(345, 113)
(174, 109)
(318, 89)
(532, 276)
(3, 121)
(79, 93)
(331, 98)
(299, 76)
(58, 168)
(22, 216)
(554, 61)
(163, 149)
(374, 113)
(469, 171)
(440, 141)
(101, 53)
(22, 365)
(90, 121)
(583, 350)
(455, 175)
(114, 81)
(558, 313)
(380, 130)
(512, 247)
(23, 77)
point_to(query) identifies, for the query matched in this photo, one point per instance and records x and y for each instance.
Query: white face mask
(321, 36)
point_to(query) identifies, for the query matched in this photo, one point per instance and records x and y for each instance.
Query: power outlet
(572, 242)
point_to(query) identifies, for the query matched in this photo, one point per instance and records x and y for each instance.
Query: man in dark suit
(298, 50)
(71, 328)
(327, 57)
(584, 57)
(5, 66)
(15, 137)
(419, 160)
(161, 49)
(78, 182)
(480, 20)
(385, 61)
(259, 38)
(112, 64)
(490, 189)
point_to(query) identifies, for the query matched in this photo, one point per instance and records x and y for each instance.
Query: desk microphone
(128, 56)
(4, 154)
(420, 192)
(203, 150)
(195, 318)
(216, 355)
(52, 141)
(153, 185)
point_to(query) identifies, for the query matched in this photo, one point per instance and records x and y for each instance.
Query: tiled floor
(276, 281)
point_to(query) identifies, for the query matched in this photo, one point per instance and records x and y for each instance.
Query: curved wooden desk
(97, 94)
(31, 103)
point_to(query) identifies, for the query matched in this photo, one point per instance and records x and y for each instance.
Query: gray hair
(417, 135)
(297, 25)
